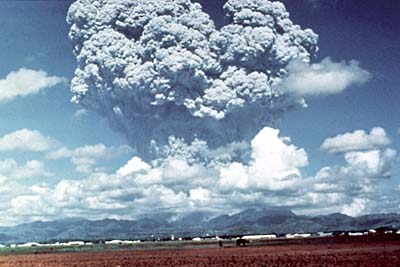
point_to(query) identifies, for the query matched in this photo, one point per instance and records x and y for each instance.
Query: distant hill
(250, 221)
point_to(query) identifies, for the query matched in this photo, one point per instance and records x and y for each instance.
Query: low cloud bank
(272, 175)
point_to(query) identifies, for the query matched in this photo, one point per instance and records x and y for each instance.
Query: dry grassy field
(351, 252)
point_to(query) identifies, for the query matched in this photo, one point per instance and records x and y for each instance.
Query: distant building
(114, 242)
(324, 234)
(30, 244)
(289, 235)
(297, 235)
(75, 243)
(258, 237)
(372, 232)
(356, 233)
(385, 230)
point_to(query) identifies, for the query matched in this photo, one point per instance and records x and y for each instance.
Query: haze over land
(215, 107)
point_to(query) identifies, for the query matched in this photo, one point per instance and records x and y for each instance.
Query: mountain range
(163, 225)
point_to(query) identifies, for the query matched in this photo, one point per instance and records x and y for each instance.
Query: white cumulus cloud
(326, 77)
(25, 82)
(178, 183)
(26, 140)
(373, 163)
(33, 168)
(274, 165)
(134, 165)
(355, 208)
(356, 141)
(86, 157)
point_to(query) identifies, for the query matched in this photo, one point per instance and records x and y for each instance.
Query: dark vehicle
(241, 242)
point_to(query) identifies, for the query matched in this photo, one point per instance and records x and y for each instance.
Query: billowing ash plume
(157, 69)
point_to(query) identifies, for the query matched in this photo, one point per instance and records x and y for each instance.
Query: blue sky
(368, 32)
(35, 37)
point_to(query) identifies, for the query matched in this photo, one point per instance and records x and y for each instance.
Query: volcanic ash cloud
(157, 69)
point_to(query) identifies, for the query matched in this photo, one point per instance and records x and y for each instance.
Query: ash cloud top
(156, 69)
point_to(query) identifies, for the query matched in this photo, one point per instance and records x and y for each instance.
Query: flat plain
(381, 251)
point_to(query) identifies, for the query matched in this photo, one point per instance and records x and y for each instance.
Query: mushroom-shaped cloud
(156, 68)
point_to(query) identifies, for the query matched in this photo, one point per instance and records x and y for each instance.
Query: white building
(114, 242)
(297, 235)
(75, 243)
(372, 231)
(356, 234)
(29, 244)
(324, 234)
(258, 237)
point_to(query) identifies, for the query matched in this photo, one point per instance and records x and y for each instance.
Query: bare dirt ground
(352, 252)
